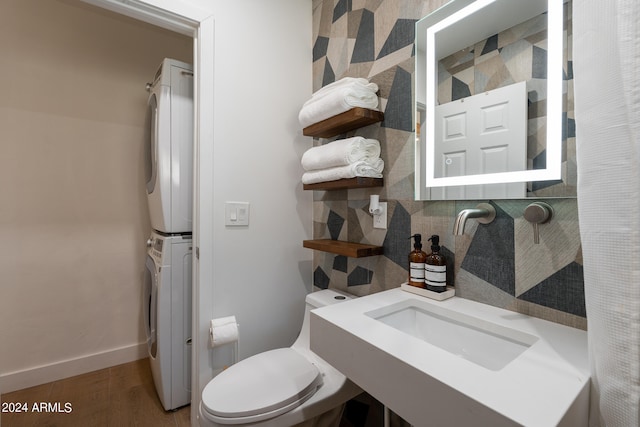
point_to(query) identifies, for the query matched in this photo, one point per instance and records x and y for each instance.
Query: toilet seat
(261, 387)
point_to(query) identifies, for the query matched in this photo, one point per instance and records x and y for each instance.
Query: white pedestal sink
(457, 362)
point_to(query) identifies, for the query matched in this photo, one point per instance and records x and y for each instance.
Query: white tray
(439, 296)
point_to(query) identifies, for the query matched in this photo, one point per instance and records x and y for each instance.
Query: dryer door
(150, 143)
(150, 305)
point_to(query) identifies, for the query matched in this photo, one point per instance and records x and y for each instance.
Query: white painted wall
(262, 77)
(73, 210)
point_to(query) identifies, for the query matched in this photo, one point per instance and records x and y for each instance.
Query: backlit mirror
(494, 101)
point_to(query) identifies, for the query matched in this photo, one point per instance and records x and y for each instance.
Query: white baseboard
(68, 368)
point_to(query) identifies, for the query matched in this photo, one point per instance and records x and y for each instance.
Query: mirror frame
(444, 18)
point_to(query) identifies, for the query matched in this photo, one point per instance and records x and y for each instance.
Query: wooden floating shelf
(342, 184)
(353, 250)
(355, 118)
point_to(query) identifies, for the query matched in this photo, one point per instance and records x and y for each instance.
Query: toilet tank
(325, 297)
(315, 300)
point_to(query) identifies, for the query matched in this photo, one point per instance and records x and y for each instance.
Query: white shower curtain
(606, 40)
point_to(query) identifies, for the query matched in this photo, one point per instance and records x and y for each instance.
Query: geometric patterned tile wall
(496, 263)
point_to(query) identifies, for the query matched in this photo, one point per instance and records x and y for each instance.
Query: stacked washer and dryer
(168, 272)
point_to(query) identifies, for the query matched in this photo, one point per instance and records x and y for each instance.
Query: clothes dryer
(167, 316)
(169, 147)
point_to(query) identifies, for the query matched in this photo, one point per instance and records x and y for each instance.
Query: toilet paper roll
(223, 330)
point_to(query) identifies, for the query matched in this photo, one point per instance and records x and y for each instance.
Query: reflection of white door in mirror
(485, 133)
(469, 46)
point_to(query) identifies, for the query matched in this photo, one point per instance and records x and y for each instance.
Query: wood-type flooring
(122, 395)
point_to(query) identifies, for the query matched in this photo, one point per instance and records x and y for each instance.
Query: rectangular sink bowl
(457, 362)
(486, 344)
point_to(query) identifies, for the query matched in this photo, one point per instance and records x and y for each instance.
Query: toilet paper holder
(223, 331)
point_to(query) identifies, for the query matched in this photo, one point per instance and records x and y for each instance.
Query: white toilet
(280, 388)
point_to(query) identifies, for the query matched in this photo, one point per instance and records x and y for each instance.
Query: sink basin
(486, 344)
(457, 362)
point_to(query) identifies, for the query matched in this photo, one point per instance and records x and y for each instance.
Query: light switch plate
(236, 214)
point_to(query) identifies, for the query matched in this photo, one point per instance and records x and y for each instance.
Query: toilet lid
(262, 383)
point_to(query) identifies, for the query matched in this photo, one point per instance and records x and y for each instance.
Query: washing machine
(167, 316)
(169, 147)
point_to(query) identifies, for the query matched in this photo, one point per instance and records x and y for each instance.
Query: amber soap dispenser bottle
(417, 259)
(435, 267)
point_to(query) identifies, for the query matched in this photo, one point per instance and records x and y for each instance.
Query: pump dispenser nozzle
(435, 243)
(418, 240)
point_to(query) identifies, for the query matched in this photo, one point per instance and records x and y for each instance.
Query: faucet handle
(538, 213)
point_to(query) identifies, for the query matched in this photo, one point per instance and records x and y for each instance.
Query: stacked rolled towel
(338, 97)
(340, 153)
(361, 168)
(343, 158)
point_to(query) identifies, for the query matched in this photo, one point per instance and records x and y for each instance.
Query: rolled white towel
(367, 169)
(340, 152)
(357, 83)
(335, 102)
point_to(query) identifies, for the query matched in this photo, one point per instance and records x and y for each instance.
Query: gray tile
(363, 50)
(340, 263)
(562, 291)
(459, 89)
(491, 255)
(398, 112)
(490, 45)
(334, 223)
(342, 7)
(359, 276)
(396, 243)
(402, 34)
(539, 64)
(320, 278)
(320, 48)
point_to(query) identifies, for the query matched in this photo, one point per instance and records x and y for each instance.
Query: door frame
(195, 19)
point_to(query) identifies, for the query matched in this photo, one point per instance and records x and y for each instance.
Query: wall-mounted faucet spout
(484, 213)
